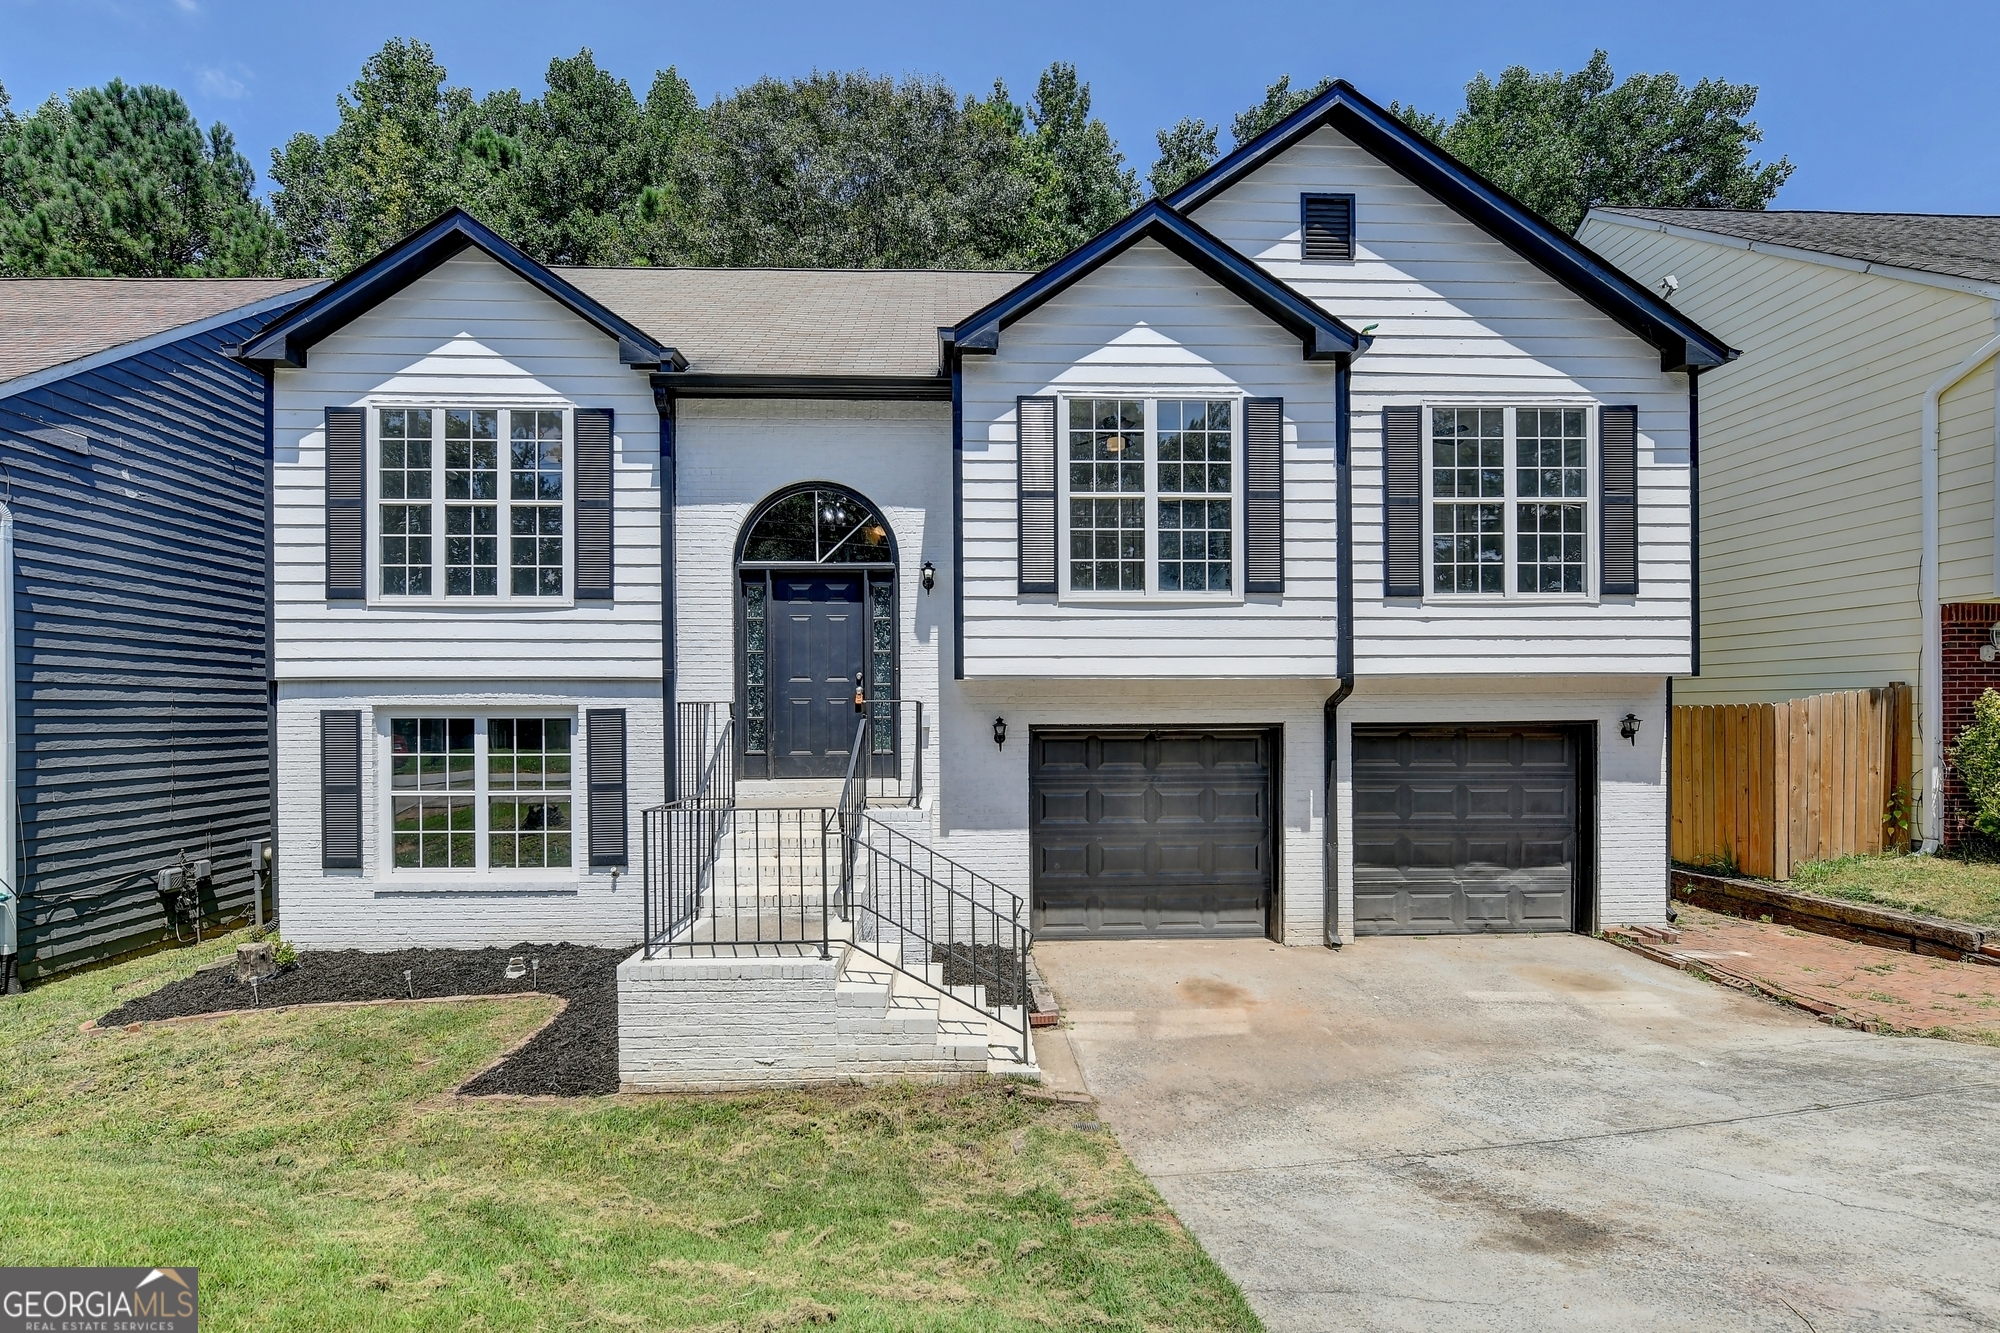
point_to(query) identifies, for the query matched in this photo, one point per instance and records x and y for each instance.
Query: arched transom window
(818, 526)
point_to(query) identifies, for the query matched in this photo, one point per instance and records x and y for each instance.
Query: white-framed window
(1151, 499)
(1509, 511)
(471, 504)
(471, 792)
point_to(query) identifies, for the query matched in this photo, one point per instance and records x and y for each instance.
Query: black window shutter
(1618, 482)
(1326, 226)
(1403, 501)
(1264, 495)
(340, 790)
(346, 447)
(1035, 463)
(604, 745)
(593, 503)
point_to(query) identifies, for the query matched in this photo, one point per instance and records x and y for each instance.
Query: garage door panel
(1464, 830)
(1178, 830)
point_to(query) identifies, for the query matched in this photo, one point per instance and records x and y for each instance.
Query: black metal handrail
(705, 753)
(898, 891)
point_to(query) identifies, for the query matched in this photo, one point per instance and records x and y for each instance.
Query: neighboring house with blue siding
(132, 470)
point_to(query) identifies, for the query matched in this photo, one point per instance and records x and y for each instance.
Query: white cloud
(223, 83)
(187, 6)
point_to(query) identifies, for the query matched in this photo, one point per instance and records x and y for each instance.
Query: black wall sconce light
(1629, 728)
(930, 576)
(1000, 732)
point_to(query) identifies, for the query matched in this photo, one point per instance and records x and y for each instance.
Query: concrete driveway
(1538, 1133)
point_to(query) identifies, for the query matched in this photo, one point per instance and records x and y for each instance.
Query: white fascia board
(110, 355)
(1916, 275)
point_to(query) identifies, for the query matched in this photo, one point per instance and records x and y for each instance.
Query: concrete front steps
(776, 1014)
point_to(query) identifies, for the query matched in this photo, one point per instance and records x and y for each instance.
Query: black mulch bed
(990, 965)
(575, 1056)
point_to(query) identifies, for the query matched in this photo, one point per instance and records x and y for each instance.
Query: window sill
(418, 888)
(1160, 599)
(1502, 599)
(469, 604)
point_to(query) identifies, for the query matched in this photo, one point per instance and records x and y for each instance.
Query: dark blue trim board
(1694, 525)
(1323, 336)
(957, 519)
(669, 492)
(285, 341)
(1681, 342)
(1344, 515)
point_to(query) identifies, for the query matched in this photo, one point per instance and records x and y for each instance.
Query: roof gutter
(1931, 652)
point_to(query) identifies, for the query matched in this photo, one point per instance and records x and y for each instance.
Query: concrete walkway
(1539, 1133)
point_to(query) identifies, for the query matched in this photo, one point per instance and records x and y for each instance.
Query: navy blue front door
(818, 629)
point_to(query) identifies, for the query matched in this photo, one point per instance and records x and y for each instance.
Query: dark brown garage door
(1462, 831)
(1139, 833)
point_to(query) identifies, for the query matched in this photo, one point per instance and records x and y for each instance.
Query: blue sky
(1882, 107)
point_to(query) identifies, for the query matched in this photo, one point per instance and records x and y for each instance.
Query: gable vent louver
(1327, 226)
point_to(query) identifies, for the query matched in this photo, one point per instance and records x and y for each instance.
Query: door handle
(860, 701)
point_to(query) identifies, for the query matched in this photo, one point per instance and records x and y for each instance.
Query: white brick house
(1337, 444)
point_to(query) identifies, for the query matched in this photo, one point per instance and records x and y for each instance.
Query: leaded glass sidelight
(882, 664)
(756, 656)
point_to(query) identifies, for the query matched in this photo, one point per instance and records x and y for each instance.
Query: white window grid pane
(535, 536)
(1196, 459)
(1468, 548)
(403, 475)
(1107, 486)
(433, 780)
(1549, 541)
(528, 774)
(1549, 453)
(1468, 453)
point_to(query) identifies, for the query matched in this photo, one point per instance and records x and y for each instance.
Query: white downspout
(9, 710)
(1932, 680)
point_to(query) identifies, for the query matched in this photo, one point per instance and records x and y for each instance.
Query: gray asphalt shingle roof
(46, 322)
(1947, 244)
(761, 321)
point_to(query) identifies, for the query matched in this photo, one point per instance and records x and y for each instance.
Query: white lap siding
(469, 333)
(733, 454)
(1146, 325)
(379, 908)
(1463, 319)
(1631, 795)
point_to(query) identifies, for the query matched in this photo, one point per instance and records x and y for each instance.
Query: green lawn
(1933, 885)
(316, 1169)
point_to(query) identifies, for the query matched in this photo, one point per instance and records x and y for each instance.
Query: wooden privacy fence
(1764, 787)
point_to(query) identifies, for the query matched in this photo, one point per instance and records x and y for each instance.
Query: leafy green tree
(1975, 757)
(1563, 144)
(396, 160)
(856, 170)
(1083, 183)
(122, 181)
(1186, 150)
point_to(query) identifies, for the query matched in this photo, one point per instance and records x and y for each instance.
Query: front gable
(1359, 124)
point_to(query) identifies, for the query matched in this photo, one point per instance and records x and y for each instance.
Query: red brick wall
(1967, 627)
